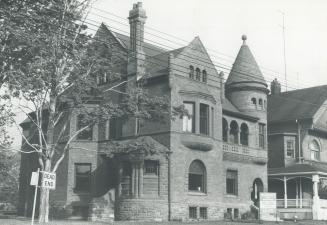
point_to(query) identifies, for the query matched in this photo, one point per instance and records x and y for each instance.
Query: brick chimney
(136, 64)
(275, 87)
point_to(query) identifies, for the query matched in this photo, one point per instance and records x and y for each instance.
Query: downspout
(169, 187)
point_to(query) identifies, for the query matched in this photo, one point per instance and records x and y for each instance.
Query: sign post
(34, 182)
(48, 181)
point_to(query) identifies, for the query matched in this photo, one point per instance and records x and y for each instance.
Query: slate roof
(297, 104)
(149, 49)
(245, 70)
(298, 169)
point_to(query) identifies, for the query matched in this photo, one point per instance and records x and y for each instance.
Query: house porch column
(315, 199)
(285, 192)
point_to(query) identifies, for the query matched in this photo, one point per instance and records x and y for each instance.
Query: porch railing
(295, 203)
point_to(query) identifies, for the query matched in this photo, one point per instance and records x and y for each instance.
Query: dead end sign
(48, 180)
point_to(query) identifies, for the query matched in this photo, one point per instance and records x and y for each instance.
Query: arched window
(314, 150)
(191, 72)
(260, 103)
(254, 101)
(198, 74)
(197, 177)
(225, 130)
(233, 132)
(244, 134)
(204, 76)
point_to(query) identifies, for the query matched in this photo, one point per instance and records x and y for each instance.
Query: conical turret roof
(245, 71)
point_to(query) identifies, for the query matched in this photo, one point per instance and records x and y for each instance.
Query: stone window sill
(196, 193)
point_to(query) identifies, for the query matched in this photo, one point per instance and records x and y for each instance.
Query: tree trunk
(44, 197)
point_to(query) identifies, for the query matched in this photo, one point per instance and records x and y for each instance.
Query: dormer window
(204, 76)
(191, 75)
(198, 74)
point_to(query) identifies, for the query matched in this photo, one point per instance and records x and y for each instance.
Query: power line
(173, 36)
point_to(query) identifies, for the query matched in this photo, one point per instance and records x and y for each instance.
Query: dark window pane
(85, 134)
(192, 213)
(231, 182)
(151, 167)
(204, 119)
(82, 177)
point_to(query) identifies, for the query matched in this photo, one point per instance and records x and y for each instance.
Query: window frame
(288, 149)
(191, 74)
(197, 74)
(79, 176)
(315, 151)
(232, 182)
(85, 135)
(204, 76)
(204, 120)
(262, 135)
(193, 177)
(192, 117)
(156, 167)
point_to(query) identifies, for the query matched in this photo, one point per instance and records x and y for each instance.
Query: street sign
(48, 180)
(34, 179)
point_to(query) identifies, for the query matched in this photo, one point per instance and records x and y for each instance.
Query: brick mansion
(212, 163)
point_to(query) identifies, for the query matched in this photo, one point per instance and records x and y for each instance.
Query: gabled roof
(297, 104)
(245, 71)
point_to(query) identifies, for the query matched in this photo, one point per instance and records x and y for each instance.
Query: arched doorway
(257, 187)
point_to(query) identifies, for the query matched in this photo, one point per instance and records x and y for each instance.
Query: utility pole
(283, 28)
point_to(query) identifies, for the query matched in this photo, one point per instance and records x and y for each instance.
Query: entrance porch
(297, 191)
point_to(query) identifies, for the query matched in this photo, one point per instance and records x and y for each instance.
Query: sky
(220, 25)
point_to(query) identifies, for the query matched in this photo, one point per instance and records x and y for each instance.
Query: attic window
(254, 101)
(198, 74)
(191, 75)
(204, 76)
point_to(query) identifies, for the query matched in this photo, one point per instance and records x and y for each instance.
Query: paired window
(262, 137)
(231, 182)
(193, 212)
(314, 150)
(83, 123)
(82, 177)
(197, 177)
(204, 119)
(151, 167)
(188, 120)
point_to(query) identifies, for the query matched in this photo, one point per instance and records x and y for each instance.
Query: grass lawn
(20, 221)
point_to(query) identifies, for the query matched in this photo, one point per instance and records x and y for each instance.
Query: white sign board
(34, 179)
(268, 206)
(48, 180)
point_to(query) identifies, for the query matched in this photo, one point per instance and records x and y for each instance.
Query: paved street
(24, 221)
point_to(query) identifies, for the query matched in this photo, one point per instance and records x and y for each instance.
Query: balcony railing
(244, 150)
(295, 203)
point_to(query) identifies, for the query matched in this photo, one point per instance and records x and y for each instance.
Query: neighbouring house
(297, 141)
(210, 164)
